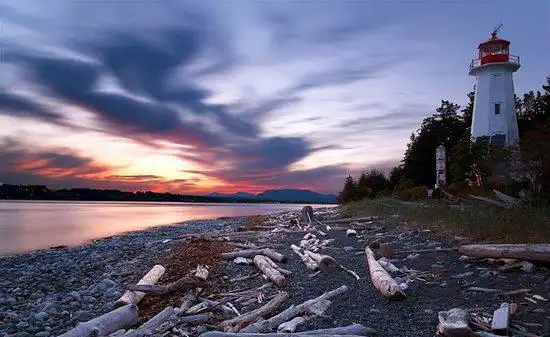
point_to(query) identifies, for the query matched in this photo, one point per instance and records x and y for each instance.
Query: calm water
(29, 225)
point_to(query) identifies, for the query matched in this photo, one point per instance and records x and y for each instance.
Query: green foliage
(369, 185)
(445, 127)
(372, 184)
(412, 194)
(467, 160)
(349, 193)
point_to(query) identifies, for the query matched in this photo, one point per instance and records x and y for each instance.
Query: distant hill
(236, 195)
(284, 195)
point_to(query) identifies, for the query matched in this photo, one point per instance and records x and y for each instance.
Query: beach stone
(109, 293)
(41, 316)
(42, 334)
(21, 334)
(22, 325)
(75, 295)
(108, 283)
(83, 316)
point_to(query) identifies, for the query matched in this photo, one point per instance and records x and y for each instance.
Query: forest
(469, 163)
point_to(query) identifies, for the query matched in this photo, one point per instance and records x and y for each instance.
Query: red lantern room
(494, 50)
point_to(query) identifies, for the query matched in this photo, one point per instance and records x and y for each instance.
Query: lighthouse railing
(511, 59)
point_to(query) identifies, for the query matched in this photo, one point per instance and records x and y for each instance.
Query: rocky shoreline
(46, 293)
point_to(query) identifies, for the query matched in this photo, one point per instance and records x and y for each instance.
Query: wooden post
(386, 250)
(501, 320)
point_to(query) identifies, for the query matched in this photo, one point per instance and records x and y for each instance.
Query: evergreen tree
(445, 127)
(349, 193)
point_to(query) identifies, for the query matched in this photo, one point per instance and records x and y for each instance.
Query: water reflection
(28, 225)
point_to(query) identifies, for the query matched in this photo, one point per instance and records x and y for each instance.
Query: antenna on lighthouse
(495, 31)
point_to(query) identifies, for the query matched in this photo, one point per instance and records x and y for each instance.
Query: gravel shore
(45, 293)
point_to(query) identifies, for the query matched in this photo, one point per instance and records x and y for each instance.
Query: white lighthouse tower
(494, 119)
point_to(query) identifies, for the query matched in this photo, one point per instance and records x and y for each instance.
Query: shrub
(412, 194)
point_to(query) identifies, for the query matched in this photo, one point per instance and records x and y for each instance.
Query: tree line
(450, 126)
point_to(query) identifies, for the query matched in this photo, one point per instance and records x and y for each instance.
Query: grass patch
(478, 221)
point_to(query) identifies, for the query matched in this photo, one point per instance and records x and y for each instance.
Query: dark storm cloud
(20, 106)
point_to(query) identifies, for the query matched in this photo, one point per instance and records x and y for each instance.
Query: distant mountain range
(284, 195)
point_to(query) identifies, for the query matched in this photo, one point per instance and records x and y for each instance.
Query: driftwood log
(237, 323)
(184, 283)
(293, 311)
(381, 279)
(191, 295)
(350, 330)
(121, 318)
(147, 328)
(208, 305)
(306, 259)
(134, 297)
(531, 252)
(278, 268)
(454, 323)
(253, 252)
(291, 325)
(337, 221)
(263, 263)
(326, 262)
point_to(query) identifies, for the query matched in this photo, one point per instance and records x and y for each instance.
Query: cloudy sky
(231, 95)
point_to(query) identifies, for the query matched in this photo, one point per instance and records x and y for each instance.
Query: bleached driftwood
(237, 323)
(306, 259)
(293, 311)
(454, 323)
(349, 331)
(201, 272)
(489, 201)
(266, 267)
(186, 282)
(351, 232)
(337, 221)
(242, 260)
(206, 305)
(381, 279)
(134, 297)
(278, 268)
(253, 252)
(276, 334)
(506, 198)
(326, 262)
(530, 252)
(121, 318)
(291, 325)
(147, 328)
(317, 309)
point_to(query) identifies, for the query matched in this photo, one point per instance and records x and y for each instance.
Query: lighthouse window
(497, 108)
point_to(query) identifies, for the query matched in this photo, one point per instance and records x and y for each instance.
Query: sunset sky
(234, 95)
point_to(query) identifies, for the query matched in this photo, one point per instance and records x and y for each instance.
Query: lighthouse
(494, 120)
